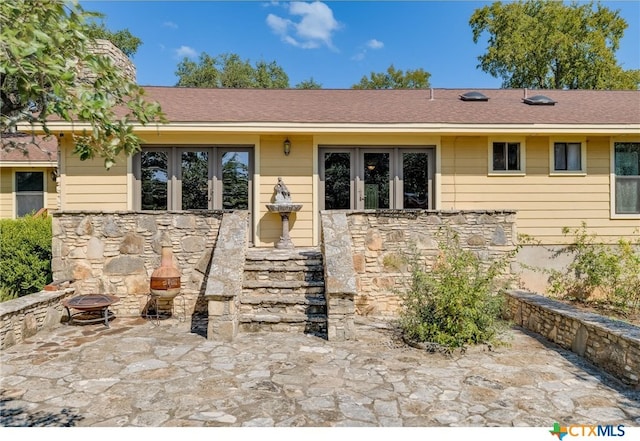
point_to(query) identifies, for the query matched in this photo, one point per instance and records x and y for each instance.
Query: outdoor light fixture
(287, 146)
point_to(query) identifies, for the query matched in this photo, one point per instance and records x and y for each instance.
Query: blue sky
(335, 42)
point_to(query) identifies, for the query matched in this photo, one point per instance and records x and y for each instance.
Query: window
(193, 178)
(627, 177)
(29, 192)
(506, 157)
(568, 157)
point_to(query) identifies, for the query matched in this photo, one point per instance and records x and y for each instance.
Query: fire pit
(92, 308)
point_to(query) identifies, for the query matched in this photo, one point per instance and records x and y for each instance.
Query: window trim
(44, 190)
(583, 156)
(612, 181)
(523, 156)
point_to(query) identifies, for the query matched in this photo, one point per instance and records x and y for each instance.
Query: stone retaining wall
(116, 252)
(611, 345)
(25, 316)
(383, 241)
(339, 276)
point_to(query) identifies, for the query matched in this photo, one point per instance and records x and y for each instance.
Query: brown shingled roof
(505, 106)
(45, 150)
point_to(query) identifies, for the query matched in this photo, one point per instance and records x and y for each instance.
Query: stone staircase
(283, 290)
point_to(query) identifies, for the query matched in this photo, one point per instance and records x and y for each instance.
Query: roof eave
(330, 127)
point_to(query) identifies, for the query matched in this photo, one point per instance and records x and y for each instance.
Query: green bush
(458, 302)
(599, 272)
(25, 255)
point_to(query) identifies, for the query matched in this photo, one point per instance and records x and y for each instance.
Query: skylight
(539, 100)
(473, 96)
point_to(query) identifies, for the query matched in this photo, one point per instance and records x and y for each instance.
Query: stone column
(224, 283)
(340, 276)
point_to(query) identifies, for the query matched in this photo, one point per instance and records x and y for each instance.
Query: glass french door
(194, 178)
(376, 178)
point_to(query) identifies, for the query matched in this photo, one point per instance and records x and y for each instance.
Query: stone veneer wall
(109, 50)
(610, 344)
(116, 253)
(382, 240)
(23, 317)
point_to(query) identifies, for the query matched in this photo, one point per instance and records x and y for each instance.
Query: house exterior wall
(296, 171)
(545, 202)
(7, 190)
(88, 185)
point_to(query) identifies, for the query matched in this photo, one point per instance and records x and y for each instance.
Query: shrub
(457, 302)
(25, 255)
(610, 273)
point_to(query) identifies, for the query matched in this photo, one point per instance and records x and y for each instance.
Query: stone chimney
(108, 49)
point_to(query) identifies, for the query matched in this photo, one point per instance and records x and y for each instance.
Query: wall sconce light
(287, 147)
(54, 174)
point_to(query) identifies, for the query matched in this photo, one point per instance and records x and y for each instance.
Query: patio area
(138, 374)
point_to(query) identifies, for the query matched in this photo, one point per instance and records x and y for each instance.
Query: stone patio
(138, 374)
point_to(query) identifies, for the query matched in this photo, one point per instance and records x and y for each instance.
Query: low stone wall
(339, 276)
(224, 282)
(25, 316)
(383, 241)
(116, 253)
(611, 345)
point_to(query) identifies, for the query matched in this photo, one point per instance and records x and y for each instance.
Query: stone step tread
(282, 255)
(276, 318)
(282, 284)
(282, 300)
(291, 268)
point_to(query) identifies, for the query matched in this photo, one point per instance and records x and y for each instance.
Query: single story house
(497, 162)
(28, 175)
(558, 157)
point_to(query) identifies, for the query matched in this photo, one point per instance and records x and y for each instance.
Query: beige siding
(6, 193)
(88, 185)
(296, 172)
(545, 203)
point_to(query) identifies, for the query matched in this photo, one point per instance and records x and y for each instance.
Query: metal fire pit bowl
(92, 308)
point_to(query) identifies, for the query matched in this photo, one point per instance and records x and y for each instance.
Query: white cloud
(375, 44)
(186, 51)
(315, 27)
(170, 24)
(371, 44)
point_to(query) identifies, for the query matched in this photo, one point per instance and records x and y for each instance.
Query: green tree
(42, 46)
(395, 79)
(270, 76)
(309, 84)
(230, 71)
(544, 44)
(122, 39)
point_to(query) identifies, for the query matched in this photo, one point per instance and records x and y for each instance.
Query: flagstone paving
(139, 374)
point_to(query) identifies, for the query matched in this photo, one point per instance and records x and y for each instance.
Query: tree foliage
(309, 84)
(42, 47)
(546, 44)
(395, 79)
(230, 71)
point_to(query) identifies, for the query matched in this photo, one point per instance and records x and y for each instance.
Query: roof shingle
(505, 106)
